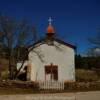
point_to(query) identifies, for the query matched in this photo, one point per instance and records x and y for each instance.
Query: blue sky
(74, 20)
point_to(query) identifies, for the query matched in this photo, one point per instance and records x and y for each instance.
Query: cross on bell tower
(50, 30)
(50, 20)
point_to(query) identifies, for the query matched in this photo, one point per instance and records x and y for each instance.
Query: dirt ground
(94, 95)
(19, 87)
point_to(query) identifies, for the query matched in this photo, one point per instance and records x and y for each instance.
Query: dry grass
(86, 75)
(3, 69)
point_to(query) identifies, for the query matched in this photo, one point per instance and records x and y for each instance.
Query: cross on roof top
(50, 20)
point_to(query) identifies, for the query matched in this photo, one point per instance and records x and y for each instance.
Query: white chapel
(51, 59)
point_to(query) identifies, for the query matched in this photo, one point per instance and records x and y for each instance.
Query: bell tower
(50, 29)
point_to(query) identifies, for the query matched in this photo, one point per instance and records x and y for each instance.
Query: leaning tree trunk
(12, 66)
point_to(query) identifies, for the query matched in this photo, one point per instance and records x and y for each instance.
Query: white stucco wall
(60, 55)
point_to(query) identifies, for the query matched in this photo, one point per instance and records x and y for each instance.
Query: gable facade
(51, 59)
(51, 62)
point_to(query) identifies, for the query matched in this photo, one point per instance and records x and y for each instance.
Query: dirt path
(58, 96)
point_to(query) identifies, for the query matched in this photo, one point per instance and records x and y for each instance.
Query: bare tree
(93, 52)
(14, 34)
(96, 40)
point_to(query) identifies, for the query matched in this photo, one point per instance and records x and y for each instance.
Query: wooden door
(51, 72)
